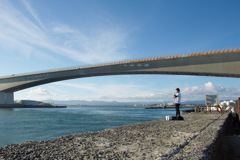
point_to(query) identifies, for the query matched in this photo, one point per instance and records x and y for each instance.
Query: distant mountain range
(83, 102)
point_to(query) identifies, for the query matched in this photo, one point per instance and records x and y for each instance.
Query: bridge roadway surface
(224, 63)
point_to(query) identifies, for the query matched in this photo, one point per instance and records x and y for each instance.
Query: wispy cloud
(108, 91)
(21, 34)
(18, 34)
(98, 46)
(32, 12)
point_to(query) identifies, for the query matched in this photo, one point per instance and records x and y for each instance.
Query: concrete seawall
(193, 138)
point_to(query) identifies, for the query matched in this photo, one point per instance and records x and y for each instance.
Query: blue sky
(41, 35)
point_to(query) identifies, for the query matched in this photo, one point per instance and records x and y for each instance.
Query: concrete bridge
(224, 63)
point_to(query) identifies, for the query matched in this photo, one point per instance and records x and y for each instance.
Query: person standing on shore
(177, 98)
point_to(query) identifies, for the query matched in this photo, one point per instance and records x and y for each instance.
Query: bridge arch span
(221, 63)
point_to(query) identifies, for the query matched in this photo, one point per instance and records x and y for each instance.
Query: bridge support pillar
(6, 98)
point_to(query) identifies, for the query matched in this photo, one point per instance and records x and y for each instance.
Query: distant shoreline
(144, 106)
(65, 106)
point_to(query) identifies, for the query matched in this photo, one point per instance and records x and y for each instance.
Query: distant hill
(83, 102)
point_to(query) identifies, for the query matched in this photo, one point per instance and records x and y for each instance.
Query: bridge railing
(132, 61)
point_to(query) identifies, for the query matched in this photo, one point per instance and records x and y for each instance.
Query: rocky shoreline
(159, 139)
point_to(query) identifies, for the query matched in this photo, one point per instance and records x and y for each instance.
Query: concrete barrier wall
(238, 107)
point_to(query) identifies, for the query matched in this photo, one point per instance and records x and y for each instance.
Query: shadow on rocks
(227, 144)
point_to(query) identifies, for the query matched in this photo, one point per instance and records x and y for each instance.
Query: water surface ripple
(31, 124)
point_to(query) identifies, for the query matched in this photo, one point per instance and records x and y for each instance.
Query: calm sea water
(21, 125)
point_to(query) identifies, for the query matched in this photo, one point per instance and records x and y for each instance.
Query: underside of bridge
(221, 64)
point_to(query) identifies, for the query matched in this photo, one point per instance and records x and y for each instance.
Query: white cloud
(112, 92)
(199, 92)
(19, 33)
(40, 94)
(38, 91)
(209, 87)
(124, 92)
(138, 93)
